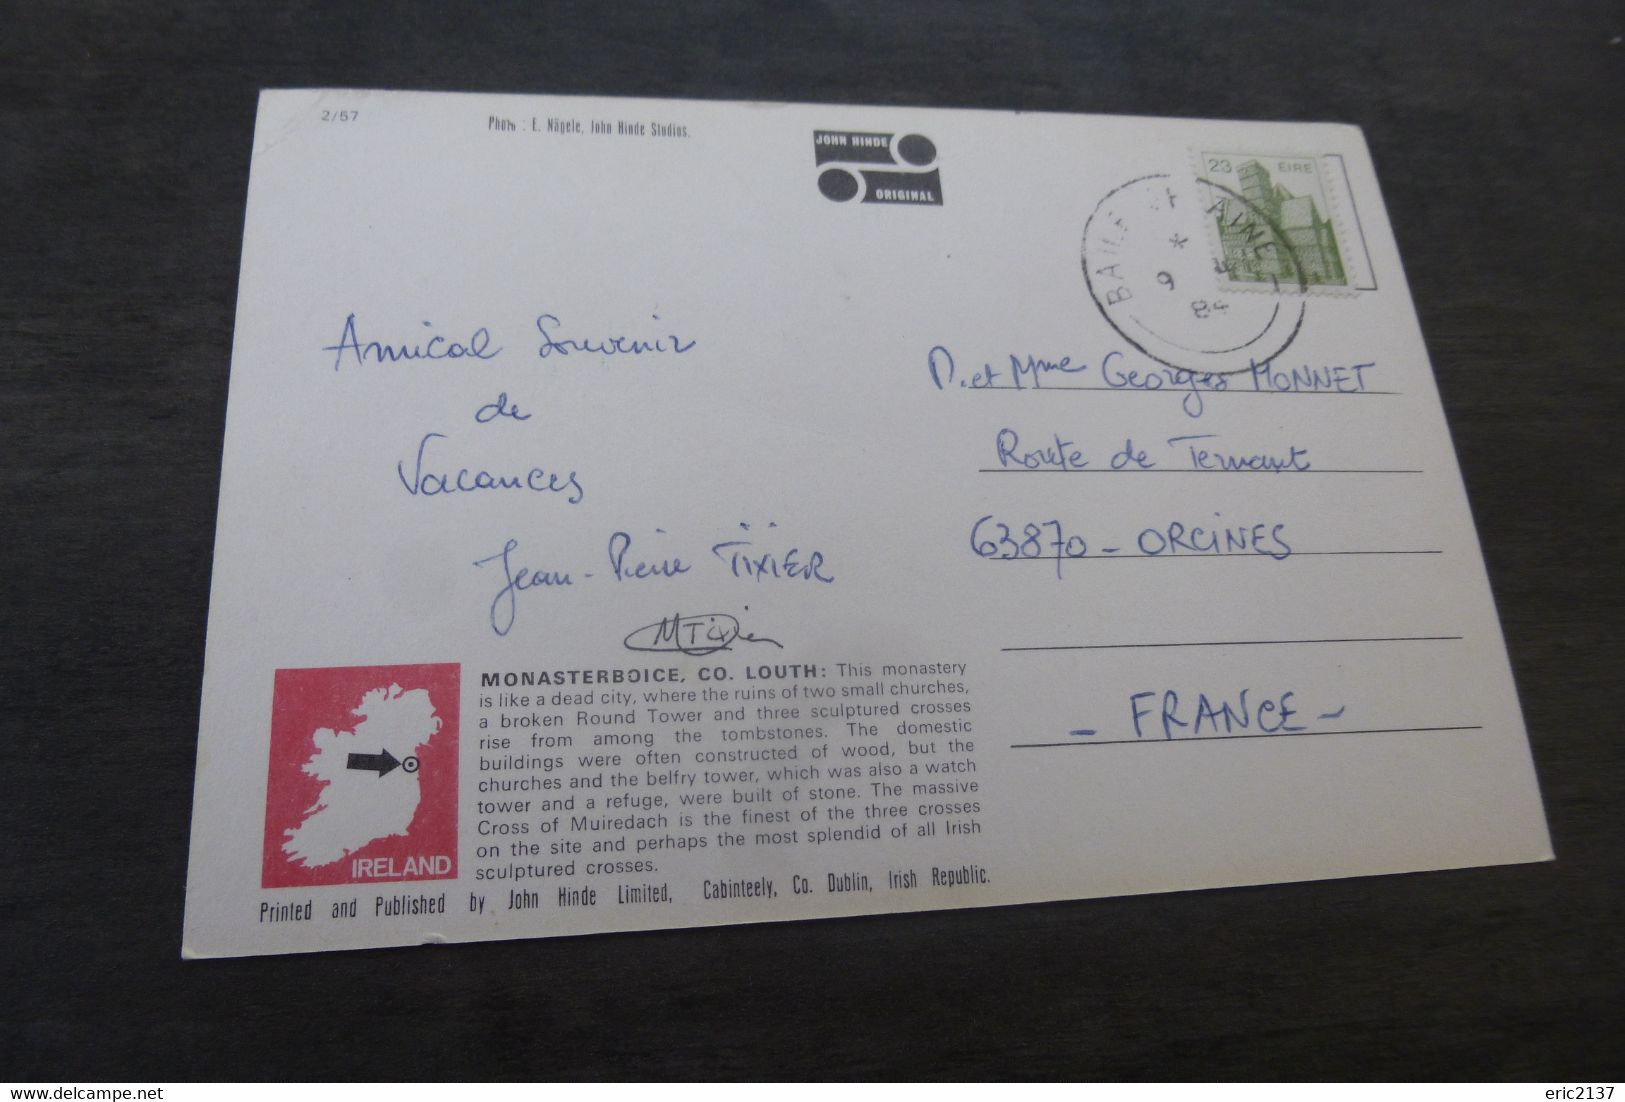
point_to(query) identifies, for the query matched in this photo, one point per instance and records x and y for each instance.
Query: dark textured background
(124, 144)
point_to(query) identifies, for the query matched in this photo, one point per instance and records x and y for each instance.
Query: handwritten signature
(706, 633)
(505, 605)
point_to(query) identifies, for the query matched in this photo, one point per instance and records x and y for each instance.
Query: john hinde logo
(912, 178)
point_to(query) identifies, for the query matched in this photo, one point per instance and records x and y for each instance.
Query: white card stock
(646, 513)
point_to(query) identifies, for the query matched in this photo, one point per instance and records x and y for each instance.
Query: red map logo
(362, 785)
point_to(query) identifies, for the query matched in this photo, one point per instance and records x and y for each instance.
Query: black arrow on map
(383, 762)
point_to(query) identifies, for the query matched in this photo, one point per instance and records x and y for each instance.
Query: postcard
(646, 513)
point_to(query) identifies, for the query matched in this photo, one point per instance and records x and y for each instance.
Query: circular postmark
(1150, 264)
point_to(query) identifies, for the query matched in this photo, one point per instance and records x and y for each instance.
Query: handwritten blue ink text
(435, 483)
(1209, 458)
(1211, 716)
(553, 345)
(437, 347)
(490, 411)
(620, 543)
(505, 605)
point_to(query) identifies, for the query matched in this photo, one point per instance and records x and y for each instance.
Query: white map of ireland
(358, 806)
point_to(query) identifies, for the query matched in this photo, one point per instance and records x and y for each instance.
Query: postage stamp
(1279, 221)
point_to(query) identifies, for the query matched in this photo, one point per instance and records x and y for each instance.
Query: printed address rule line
(1192, 470)
(1190, 555)
(1240, 643)
(1177, 389)
(1228, 738)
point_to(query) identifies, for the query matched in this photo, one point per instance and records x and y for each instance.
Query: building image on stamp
(1263, 214)
(362, 781)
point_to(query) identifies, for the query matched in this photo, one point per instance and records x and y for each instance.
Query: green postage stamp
(1282, 222)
